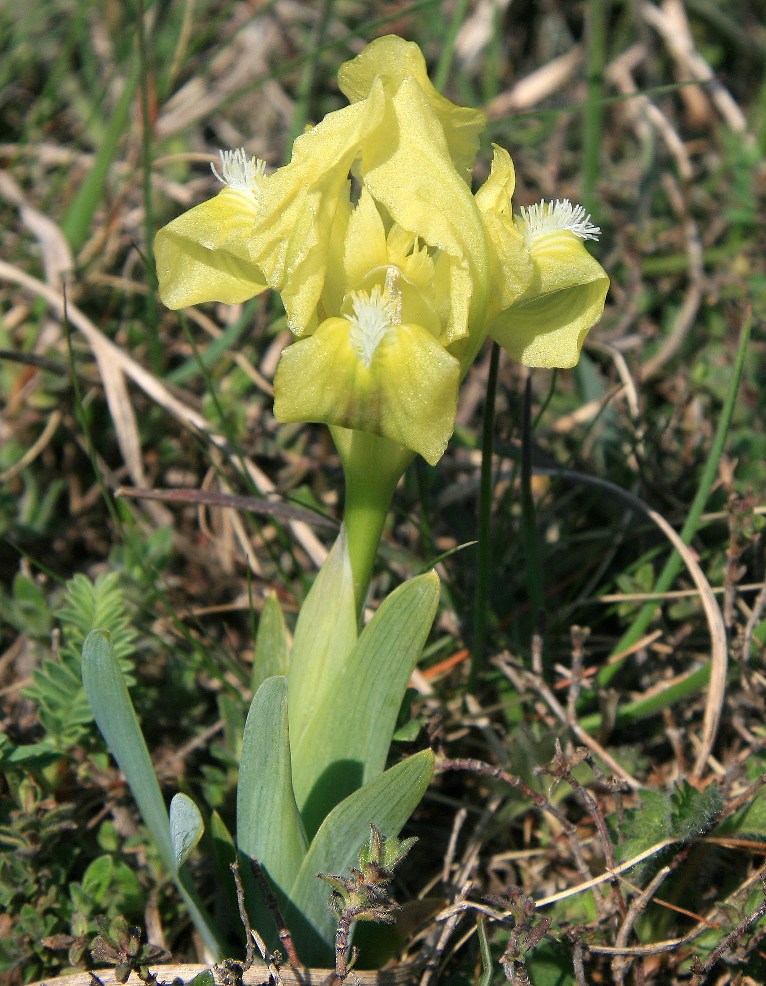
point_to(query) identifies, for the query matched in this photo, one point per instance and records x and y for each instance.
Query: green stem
(631, 713)
(76, 222)
(530, 537)
(307, 83)
(146, 156)
(485, 509)
(448, 45)
(373, 466)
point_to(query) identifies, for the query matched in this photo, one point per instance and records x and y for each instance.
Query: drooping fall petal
(546, 326)
(275, 234)
(371, 374)
(206, 254)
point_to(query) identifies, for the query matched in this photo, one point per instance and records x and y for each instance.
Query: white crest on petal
(240, 172)
(548, 217)
(375, 314)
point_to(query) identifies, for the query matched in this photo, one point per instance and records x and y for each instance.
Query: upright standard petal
(365, 248)
(408, 170)
(512, 266)
(392, 60)
(369, 256)
(293, 233)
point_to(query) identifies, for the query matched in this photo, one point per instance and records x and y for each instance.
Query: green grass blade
(116, 719)
(308, 76)
(679, 691)
(441, 74)
(269, 827)
(216, 349)
(674, 562)
(146, 78)
(346, 743)
(388, 803)
(79, 215)
(593, 117)
(487, 966)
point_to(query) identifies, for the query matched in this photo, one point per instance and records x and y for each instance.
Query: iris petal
(393, 60)
(546, 326)
(205, 254)
(512, 268)
(409, 171)
(408, 393)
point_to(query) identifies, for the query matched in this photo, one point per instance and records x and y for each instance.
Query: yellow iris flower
(391, 271)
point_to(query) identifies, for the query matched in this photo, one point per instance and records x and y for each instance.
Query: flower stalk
(373, 466)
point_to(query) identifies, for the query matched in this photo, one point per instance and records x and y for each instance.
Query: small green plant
(393, 274)
(57, 684)
(54, 910)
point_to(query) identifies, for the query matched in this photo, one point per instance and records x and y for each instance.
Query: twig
(525, 934)
(609, 875)
(578, 635)
(700, 970)
(274, 973)
(560, 768)
(619, 964)
(681, 46)
(642, 112)
(432, 963)
(577, 961)
(737, 509)
(35, 449)
(243, 915)
(449, 855)
(273, 906)
(340, 973)
(537, 684)
(753, 620)
(273, 508)
(537, 85)
(470, 764)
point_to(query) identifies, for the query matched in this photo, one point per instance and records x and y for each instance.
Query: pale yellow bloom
(391, 271)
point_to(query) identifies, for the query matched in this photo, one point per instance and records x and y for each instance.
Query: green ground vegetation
(579, 736)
